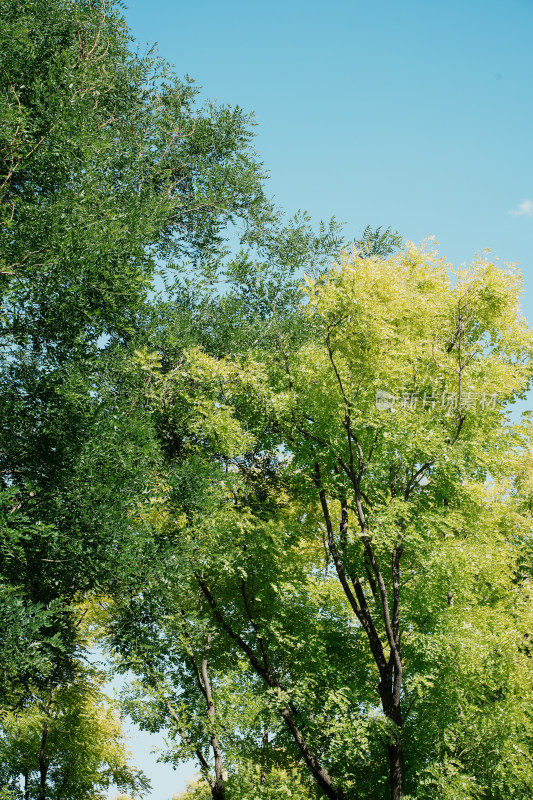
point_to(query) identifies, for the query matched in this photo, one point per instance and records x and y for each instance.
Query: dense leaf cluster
(278, 482)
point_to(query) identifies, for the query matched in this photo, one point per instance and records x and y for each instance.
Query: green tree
(354, 516)
(67, 743)
(107, 165)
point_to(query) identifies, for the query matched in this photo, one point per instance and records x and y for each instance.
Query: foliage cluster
(284, 492)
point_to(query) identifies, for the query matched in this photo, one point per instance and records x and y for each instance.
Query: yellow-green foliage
(409, 324)
(85, 747)
(196, 790)
(390, 410)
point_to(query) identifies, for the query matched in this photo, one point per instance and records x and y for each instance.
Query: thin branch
(254, 626)
(321, 775)
(359, 605)
(199, 755)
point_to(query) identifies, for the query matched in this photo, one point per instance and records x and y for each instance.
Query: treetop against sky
(270, 470)
(414, 115)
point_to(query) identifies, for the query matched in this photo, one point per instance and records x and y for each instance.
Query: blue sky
(417, 115)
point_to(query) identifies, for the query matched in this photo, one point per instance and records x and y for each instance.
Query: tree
(107, 163)
(175, 689)
(188, 683)
(67, 744)
(359, 532)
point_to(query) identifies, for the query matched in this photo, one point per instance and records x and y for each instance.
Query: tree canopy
(344, 513)
(275, 475)
(108, 164)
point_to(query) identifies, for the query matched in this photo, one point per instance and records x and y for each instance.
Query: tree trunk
(264, 746)
(43, 760)
(396, 769)
(218, 790)
(321, 775)
(392, 710)
(43, 764)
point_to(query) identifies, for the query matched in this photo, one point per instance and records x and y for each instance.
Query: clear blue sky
(417, 115)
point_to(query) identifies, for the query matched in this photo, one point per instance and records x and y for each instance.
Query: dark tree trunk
(390, 667)
(218, 790)
(321, 775)
(396, 769)
(43, 764)
(392, 710)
